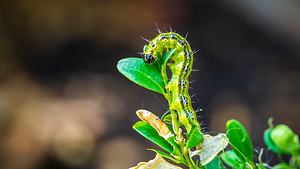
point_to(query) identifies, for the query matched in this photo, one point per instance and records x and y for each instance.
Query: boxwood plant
(177, 132)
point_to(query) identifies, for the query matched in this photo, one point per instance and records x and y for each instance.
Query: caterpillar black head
(148, 58)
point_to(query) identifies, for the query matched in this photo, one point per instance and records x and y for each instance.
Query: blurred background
(63, 105)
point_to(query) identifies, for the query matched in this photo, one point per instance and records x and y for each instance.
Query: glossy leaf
(195, 138)
(145, 75)
(216, 163)
(240, 140)
(210, 148)
(282, 166)
(269, 142)
(260, 166)
(163, 65)
(284, 138)
(151, 134)
(232, 160)
(157, 163)
(167, 119)
(165, 155)
(167, 56)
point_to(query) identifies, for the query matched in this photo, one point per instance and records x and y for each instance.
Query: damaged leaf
(210, 147)
(157, 163)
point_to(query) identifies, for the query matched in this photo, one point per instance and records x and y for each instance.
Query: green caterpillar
(180, 64)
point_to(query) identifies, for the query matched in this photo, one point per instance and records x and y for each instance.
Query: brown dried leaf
(155, 122)
(157, 163)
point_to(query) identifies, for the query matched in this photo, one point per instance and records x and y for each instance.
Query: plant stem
(180, 140)
(186, 156)
(175, 124)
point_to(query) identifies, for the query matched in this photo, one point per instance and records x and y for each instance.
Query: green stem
(175, 124)
(180, 141)
(186, 156)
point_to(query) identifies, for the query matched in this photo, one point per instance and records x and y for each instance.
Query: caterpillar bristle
(192, 96)
(145, 39)
(199, 117)
(170, 28)
(195, 70)
(199, 110)
(157, 28)
(193, 81)
(186, 35)
(196, 51)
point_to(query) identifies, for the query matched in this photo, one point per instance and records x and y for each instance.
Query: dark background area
(64, 105)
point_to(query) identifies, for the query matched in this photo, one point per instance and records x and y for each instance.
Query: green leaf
(145, 75)
(167, 56)
(269, 142)
(216, 163)
(239, 140)
(260, 166)
(284, 138)
(163, 64)
(151, 134)
(282, 166)
(231, 159)
(176, 150)
(157, 163)
(165, 155)
(210, 148)
(168, 119)
(195, 138)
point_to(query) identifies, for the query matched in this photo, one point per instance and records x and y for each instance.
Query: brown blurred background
(63, 105)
